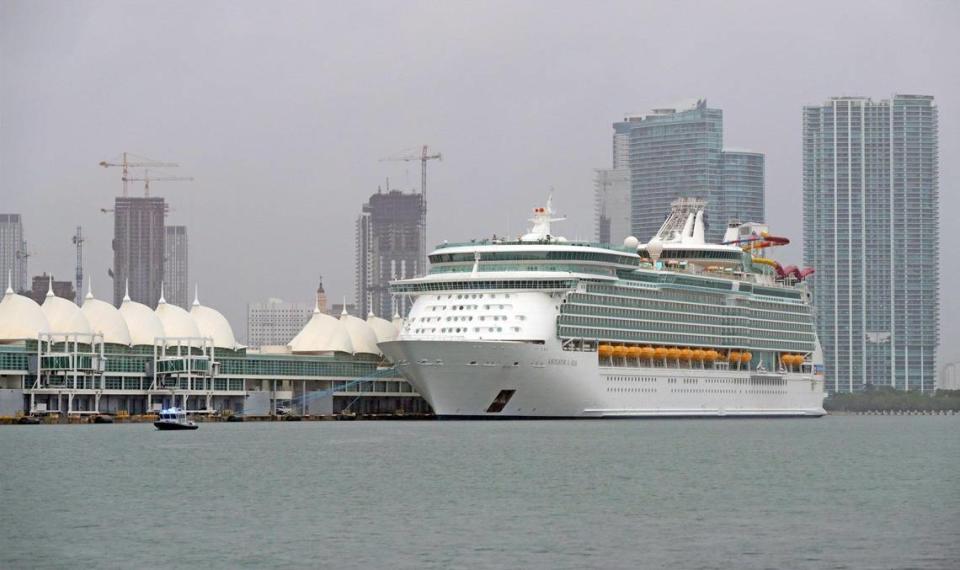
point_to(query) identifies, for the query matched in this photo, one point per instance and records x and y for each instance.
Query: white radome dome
(321, 334)
(383, 328)
(64, 316)
(176, 321)
(214, 325)
(631, 242)
(362, 337)
(21, 318)
(144, 324)
(105, 319)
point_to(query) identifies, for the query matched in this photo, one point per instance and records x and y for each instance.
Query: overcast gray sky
(281, 111)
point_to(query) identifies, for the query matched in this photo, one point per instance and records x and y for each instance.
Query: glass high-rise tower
(678, 152)
(870, 229)
(175, 266)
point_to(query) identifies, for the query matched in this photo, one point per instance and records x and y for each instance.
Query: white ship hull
(468, 379)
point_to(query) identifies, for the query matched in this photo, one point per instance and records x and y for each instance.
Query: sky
(281, 111)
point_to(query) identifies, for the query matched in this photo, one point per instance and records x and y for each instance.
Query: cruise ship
(543, 327)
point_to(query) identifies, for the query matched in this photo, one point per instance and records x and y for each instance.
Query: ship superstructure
(539, 326)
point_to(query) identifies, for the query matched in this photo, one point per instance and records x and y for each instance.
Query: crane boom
(126, 164)
(147, 179)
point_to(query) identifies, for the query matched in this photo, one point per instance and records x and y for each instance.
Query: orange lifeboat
(733, 356)
(605, 350)
(746, 357)
(646, 353)
(673, 353)
(620, 351)
(660, 352)
(634, 351)
(686, 354)
(711, 355)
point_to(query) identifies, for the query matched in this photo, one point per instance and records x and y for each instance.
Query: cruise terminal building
(99, 359)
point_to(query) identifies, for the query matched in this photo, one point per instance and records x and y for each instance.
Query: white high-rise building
(13, 261)
(275, 322)
(871, 231)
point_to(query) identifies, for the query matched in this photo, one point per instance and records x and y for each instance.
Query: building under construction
(138, 248)
(390, 246)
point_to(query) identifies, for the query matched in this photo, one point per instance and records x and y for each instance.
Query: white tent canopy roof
(322, 334)
(105, 319)
(213, 324)
(20, 317)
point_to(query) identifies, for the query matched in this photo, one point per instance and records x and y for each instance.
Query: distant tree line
(888, 399)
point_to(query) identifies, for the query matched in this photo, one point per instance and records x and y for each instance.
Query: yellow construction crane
(147, 179)
(140, 162)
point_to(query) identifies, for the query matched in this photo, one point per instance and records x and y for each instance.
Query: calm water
(840, 492)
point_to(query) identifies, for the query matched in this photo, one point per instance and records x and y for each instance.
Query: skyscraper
(389, 247)
(138, 250)
(870, 229)
(611, 188)
(676, 152)
(741, 182)
(13, 260)
(175, 268)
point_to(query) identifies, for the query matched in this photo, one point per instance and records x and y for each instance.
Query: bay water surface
(837, 492)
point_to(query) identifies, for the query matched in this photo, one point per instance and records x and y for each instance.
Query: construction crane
(78, 241)
(141, 162)
(147, 179)
(423, 156)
